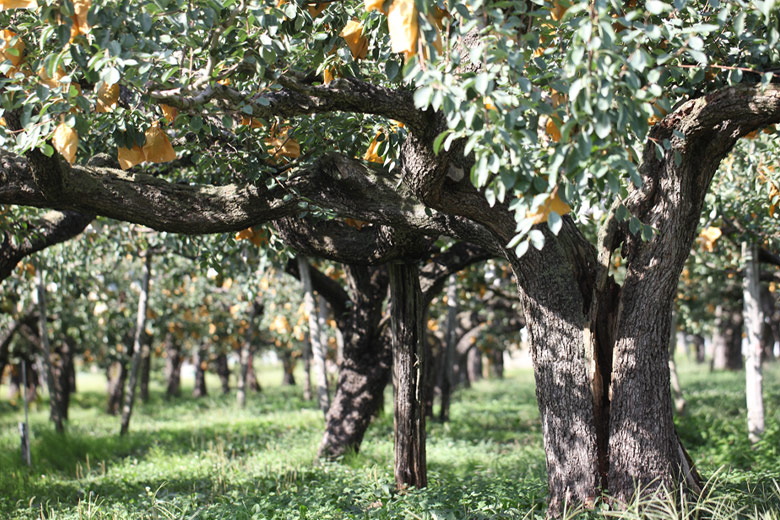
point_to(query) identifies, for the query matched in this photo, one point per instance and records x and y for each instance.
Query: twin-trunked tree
(482, 122)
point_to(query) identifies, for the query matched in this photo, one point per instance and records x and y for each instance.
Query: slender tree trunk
(173, 361)
(16, 386)
(55, 406)
(364, 370)
(223, 371)
(146, 367)
(753, 322)
(245, 357)
(679, 399)
(449, 350)
(306, 356)
(408, 360)
(138, 344)
(497, 356)
(288, 367)
(65, 377)
(253, 382)
(199, 360)
(116, 375)
(315, 336)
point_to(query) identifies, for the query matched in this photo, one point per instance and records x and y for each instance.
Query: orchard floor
(205, 459)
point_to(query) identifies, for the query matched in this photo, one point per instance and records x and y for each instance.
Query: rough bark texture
(365, 367)
(408, 367)
(753, 322)
(600, 351)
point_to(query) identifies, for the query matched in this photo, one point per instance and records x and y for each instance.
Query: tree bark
(138, 344)
(146, 367)
(365, 367)
(288, 368)
(173, 361)
(55, 395)
(315, 336)
(679, 399)
(306, 356)
(449, 350)
(116, 375)
(753, 322)
(727, 339)
(408, 368)
(474, 364)
(199, 360)
(253, 383)
(223, 371)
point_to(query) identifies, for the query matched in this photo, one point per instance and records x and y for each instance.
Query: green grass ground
(206, 459)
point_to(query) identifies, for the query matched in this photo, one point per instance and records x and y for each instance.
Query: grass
(204, 459)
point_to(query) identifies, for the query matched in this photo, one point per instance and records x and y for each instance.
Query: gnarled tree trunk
(365, 367)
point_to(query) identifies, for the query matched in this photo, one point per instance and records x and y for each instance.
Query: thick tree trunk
(727, 339)
(223, 371)
(199, 360)
(173, 361)
(315, 336)
(449, 349)
(288, 368)
(753, 321)
(138, 345)
(408, 368)
(562, 369)
(55, 394)
(365, 366)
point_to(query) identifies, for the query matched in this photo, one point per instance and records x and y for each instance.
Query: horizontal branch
(294, 99)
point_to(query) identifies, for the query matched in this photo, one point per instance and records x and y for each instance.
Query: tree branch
(294, 99)
(55, 227)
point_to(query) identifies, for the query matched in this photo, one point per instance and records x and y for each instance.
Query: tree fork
(408, 369)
